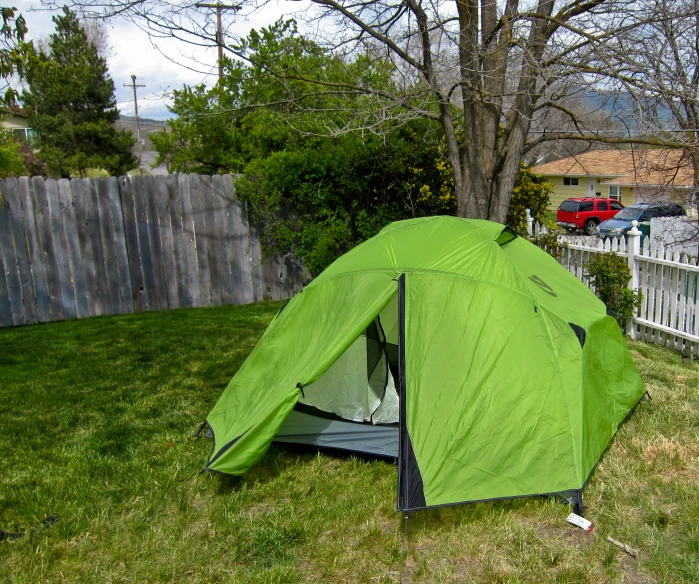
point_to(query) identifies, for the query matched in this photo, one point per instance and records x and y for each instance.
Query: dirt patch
(631, 572)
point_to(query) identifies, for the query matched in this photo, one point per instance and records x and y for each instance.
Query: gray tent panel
(301, 428)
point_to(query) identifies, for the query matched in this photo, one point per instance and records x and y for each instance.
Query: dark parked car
(620, 224)
(586, 213)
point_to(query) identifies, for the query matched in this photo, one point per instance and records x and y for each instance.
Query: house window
(615, 192)
(570, 182)
(24, 133)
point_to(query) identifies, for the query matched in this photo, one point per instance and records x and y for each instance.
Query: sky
(157, 63)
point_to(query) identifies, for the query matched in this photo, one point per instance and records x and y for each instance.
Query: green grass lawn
(96, 424)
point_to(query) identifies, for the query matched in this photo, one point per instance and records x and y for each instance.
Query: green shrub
(610, 275)
(11, 157)
(532, 191)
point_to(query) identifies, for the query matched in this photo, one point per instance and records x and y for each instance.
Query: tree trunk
(492, 150)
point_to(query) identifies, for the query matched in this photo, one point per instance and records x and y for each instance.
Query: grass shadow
(227, 484)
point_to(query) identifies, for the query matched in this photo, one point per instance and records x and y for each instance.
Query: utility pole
(219, 30)
(138, 127)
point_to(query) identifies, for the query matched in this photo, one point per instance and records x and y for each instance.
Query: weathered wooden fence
(89, 247)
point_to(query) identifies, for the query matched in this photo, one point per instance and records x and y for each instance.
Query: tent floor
(302, 428)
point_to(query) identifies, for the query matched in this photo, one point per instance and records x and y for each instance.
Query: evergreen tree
(71, 105)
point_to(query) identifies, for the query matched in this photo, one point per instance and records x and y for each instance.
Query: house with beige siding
(629, 176)
(14, 119)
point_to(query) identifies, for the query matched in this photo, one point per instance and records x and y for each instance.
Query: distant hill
(148, 126)
(127, 119)
(622, 107)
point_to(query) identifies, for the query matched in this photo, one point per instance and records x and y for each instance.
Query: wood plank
(681, 299)
(156, 251)
(256, 270)
(144, 251)
(191, 295)
(291, 272)
(692, 304)
(674, 321)
(41, 289)
(208, 233)
(111, 297)
(662, 294)
(200, 240)
(689, 277)
(5, 307)
(138, 294)
(167, 245)
(94, 233)
(174, 208)
(82, 220)
(41, 207)
(238, 227)
(246, 232)
(666, 293)
(232, 286)
(13, 200)
(271, 268)
(218, 244)
(644, 283)
(293, 276)
(664, 330)
(120, 252)
(13, 283)
(653, 282)
(70, 226)
(60, 242)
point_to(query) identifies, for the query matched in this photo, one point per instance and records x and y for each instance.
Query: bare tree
(97, 35)
(483, 69)
(656, 65)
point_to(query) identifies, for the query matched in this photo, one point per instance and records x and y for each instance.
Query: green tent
(464, 351)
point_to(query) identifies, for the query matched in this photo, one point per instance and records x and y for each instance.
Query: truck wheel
(590, 227)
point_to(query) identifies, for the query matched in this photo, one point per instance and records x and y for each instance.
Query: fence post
(633, 250)
(530, 223)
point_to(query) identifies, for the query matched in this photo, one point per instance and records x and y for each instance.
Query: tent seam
(529, 293)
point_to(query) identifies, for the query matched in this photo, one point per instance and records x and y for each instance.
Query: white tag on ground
(581, 522)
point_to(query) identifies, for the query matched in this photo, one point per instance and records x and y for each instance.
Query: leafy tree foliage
(326, 197)
(15, 52)
(71, 105)
(532, 191)
(320, 196)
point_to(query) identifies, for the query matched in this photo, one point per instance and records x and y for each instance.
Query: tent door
(410, 488)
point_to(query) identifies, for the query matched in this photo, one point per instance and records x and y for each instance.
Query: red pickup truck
(586, 213)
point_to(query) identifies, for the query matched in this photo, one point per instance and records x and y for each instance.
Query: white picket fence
(669, 282)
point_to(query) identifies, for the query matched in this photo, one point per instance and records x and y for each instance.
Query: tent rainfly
(464, 351)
